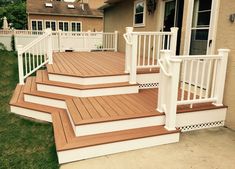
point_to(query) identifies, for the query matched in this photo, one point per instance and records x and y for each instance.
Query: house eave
(57, 14)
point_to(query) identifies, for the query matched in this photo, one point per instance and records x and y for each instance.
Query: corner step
(71, 148)
(44, 84)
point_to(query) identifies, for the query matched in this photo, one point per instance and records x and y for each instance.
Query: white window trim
(76, 22)
(212, 29)
(50, 23)
(58, 28)
(144, 14)
(37, 20)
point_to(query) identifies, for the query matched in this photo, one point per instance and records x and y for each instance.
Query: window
(76, 26)
(51, 24)
(139, 13)
(36, 25)
(64, 26)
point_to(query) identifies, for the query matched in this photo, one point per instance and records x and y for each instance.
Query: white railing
(61, 41)
(189, 80)
(88, 41)
(34, 55)
(143, 49)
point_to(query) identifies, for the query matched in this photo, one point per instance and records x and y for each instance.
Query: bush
(13, 47)
(2, 46)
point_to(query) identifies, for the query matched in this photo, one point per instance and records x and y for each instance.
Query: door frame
(212, 30)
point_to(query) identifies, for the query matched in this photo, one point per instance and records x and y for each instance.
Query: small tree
(13, 47)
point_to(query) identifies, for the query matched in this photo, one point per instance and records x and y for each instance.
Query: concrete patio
(203, 149)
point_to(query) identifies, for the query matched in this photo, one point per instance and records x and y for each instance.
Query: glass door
(200, 27)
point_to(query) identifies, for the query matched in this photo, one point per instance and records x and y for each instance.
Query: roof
(109, 3)
(61, 8)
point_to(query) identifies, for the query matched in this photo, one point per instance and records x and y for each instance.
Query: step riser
(141, 79)
(45, 101)
(38, 115)
(112, 148)
(89, 80)
(89, 92)
(98, 128)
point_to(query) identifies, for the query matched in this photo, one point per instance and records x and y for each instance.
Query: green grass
(23, 143)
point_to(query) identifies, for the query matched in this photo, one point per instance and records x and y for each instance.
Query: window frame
(134, 13)
(58, 25)
(76, 22)
(37, 20)
(50, 21)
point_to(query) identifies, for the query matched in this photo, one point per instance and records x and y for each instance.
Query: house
(64, 15)
(133, 90)
(204, 26)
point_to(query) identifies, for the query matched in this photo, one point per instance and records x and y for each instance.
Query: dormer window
(49, 5)
(70, 6)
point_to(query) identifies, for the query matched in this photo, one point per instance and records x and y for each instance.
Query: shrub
(13, 47)
(2, 46)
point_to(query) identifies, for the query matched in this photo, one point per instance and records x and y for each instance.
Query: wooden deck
(90, 64)
(86, 64)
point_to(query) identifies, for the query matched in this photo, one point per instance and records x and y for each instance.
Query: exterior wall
(94, 4)
(124, 12)
(226, 39)
(93, 24)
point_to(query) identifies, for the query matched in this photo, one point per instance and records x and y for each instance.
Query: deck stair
(102, 114)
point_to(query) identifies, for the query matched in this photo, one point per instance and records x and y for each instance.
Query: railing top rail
(196, 57)
(33, 43)
(151, 33)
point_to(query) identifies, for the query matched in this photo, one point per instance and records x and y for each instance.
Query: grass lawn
(23, 143)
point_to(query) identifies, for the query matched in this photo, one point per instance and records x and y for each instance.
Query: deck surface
(87, 64)
(90, 64)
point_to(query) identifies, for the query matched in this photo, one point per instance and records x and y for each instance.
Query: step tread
(111, 108)
(98, 139)
(42, 78)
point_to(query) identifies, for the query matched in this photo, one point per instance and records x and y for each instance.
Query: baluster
(158, 47)
(149, 49)
(196, 80)
(168, 42)
(163, 41)
(139, 48)
(144, 50)
(34, 53)
(184, 79)
(214, 78)
(153, 54)
(208, 79)
(30, 53)
(190, 79)
(25, 60)
(202, 78)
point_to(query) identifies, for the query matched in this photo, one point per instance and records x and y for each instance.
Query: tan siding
(226, 39)
(120, 16)
(87, 23)
(94, 4)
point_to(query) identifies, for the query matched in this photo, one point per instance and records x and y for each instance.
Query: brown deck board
(90, 64)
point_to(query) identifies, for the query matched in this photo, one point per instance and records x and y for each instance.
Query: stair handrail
(34, 55)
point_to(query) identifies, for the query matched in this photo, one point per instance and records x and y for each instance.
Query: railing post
(59, 40)
(115, 41)
(173, 44)
(221, 76)
(129, 30)
(49, 46)
(20, 64)
(133, 59)
(168, 91)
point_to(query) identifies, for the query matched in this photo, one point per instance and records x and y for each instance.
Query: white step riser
(88, 92)
(89, 80)
(112, 148)
(31, 113)
(141, 79)
(98, 128)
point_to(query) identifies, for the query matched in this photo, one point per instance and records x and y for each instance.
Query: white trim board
(88, 80)
(31, 113)
(117, 147)
(88, 92)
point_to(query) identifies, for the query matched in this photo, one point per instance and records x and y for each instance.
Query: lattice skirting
(202, 126)
(148, 85)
